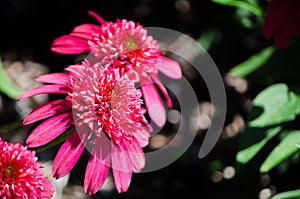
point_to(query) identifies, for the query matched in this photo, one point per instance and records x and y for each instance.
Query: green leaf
(274, 105)
(253, 63)
(7, 86)
(282, 151)
(294, 194)
(242, 4)
(253, 140)
(56, 141)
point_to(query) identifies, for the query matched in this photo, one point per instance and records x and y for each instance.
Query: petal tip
(158, 115)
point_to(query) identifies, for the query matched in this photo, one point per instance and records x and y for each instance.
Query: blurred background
(229, 35)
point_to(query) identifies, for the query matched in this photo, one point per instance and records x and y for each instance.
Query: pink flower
(125, 45)
(282, 21)
(21, 175)
(109, 120)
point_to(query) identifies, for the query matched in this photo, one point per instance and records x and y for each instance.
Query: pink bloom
(21, 175)
(282, 21)
(125, 45)
(109, 120)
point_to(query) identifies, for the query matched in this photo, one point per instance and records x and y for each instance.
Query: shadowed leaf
(282, 151)
(253, 141)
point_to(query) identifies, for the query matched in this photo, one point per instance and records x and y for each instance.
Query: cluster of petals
(125, 46)
(282, 21)
(106, 110)
(21, 175)
(102, 107)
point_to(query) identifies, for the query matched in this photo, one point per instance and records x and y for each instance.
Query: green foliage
(274, 105)
(282, 151)
(272, 132)
(272, 109)
(256, 10)
(253, 141)
(288, 195)
(7, 86)
(253, 63)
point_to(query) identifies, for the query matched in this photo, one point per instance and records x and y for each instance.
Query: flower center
(9, 173)
(103, 102)
(141, 59)
(131, 44)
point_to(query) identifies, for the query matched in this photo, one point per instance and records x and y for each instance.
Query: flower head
(107, 102)
(107, 112)
(282, 21)
(125, 46)
(21, 175)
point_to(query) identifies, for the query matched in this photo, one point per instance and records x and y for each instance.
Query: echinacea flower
(282, 21)
(107, 111)
(21, 175)
(125, 45)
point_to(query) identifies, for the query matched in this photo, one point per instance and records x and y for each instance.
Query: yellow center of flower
(131, 44)
(9, 173)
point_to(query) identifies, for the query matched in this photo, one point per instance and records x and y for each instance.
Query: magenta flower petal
(154, 104)
(142, 137)
(136, 155)
(98, 166)
(49, 130)
(162, 88)
(48, 189)
(97, 17)
(46, 110)
(54, 78)
(68, 155)
(85, 31)
(73, 69)
(121, 167)
(169, 67)
(68, 44)
(45, 89)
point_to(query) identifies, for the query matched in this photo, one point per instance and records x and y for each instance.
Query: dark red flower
(282, 21)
